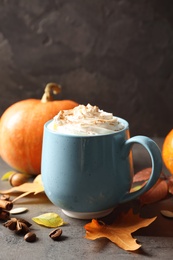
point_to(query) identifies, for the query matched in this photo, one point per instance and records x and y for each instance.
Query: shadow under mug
(88, 176)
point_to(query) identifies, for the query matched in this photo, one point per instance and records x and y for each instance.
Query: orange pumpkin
(21, 129)
(167, 151)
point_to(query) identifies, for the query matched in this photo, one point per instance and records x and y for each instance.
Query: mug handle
(156, 160)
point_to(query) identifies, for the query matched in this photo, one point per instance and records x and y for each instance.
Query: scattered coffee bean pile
(20, 225)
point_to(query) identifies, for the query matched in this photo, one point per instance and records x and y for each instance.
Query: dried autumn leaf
(26, 189)
(137, 187)
(7, 175)
(30, 187)
(142, 175)
(157, 192)
(120, 231)
(49, 220)
(38, 179)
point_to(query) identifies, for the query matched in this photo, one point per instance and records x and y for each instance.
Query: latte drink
(85, 121)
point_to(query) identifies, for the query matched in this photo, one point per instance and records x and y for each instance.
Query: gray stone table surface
(156, 240)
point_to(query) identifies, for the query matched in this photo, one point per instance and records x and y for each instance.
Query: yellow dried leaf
(120, 231)
(7, 175)
(49, 220)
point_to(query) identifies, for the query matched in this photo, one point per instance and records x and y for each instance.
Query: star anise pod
(11, 224)
(18, 225)
(22, 228)
(24, 221)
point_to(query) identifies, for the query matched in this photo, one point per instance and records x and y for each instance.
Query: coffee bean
(55, 234)
(30, 237)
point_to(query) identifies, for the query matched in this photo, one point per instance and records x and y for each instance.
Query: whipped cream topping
(85, 120)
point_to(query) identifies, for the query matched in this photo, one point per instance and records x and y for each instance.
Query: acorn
(17, 179)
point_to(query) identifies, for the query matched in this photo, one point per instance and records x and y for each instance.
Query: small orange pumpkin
(21, 129)
(167, 151)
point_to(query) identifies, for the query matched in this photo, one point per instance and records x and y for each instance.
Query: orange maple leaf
(119, 232)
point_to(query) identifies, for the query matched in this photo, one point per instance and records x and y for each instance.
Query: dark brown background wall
(114, 54)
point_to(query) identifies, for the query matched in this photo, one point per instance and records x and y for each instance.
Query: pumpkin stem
(50, 87)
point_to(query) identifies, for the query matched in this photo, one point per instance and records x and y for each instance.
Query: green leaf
(49, 220)
(7, 175)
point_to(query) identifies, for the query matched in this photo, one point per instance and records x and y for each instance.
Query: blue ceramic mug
(88, 176)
